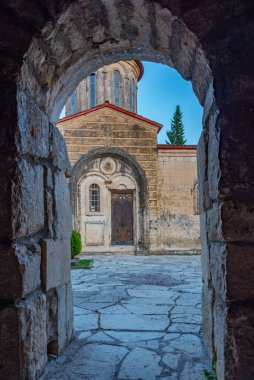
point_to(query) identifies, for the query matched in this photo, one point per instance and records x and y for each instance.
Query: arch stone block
(55, 266)
(19, 270)
(25, 353)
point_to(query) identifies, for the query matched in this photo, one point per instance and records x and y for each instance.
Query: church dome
(115, 83)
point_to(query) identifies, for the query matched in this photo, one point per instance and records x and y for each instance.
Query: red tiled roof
(174, 147)
(109, 105)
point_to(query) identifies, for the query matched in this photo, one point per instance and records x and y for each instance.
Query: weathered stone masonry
(102, 112)
(35, 281)
(107, 127)
(45, 47)
(169, 222)
(178, 218)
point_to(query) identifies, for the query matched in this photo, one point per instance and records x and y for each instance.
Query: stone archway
(80, 169)
(44, 50)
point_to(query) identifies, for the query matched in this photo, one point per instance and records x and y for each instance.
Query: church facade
(129, 194)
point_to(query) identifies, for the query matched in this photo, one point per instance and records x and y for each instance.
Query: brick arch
(47, 48)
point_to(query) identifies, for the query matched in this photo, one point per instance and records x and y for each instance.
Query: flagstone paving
(136, 318)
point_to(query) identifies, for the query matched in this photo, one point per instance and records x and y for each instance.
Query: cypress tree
(176, 133)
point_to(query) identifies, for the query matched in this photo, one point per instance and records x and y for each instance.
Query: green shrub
(76, 245)
(211, 375)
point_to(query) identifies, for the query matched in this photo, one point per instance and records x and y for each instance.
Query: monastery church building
(129, 194)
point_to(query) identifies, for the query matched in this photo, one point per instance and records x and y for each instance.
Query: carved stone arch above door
(120, 170)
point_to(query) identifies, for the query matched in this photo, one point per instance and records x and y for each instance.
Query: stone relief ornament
(107, 131)
(108, 166)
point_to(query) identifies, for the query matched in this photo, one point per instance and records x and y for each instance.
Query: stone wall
(226, 207)
(106, 127)
(35, 289)
(172, 224)
(178, 222)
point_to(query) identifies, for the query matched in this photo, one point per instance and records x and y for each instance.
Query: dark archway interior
(44, 49)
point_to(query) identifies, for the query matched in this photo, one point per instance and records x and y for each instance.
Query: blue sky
(159, 92)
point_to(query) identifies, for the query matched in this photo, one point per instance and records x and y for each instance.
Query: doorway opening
(147, 303)
(47, 51)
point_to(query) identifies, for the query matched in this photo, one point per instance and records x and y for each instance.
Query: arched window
(94, 198)
(117, 87)
(73, 102)
(92, 90)
(132, 95)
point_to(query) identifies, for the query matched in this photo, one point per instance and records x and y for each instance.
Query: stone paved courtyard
(136, 317)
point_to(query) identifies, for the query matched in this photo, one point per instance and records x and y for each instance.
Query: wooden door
(122, 216)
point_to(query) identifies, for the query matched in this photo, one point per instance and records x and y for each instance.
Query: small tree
(176, 133)
(76, 244)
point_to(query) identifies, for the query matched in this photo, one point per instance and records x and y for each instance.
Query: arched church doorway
(108, 191)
